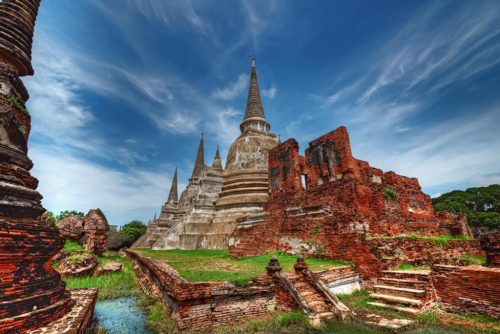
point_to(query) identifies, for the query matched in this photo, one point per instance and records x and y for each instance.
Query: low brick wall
(396, 251)
(207, 304)
(473, 289)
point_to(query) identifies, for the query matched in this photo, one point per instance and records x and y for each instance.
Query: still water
(121, 316)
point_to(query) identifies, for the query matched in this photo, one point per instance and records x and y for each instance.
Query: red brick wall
(343, 207)
(468, 289)
(208, 304)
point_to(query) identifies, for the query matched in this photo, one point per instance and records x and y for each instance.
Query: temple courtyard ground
(217, 266)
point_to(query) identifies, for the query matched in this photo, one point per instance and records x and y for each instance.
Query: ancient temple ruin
(32, 294)
(329, 204)
(206, 213)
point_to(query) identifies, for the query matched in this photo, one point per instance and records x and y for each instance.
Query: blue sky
(122, 90)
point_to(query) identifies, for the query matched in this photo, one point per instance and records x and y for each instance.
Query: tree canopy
(132, 231)
(482, 204)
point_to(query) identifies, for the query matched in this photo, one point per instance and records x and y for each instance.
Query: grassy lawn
(218, 266)
(439, 240)
(110, 286)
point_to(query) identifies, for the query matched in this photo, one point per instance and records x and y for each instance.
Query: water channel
(121, 316)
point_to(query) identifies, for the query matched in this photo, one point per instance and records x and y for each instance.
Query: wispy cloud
(410, 70)
(68, 182)
(269, 93)
(232, 90)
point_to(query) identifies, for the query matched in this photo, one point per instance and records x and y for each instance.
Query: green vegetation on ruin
(471, 259)
(70, 245)
(218, 266)
(14, 101)
(439, 240)
(111, 285)
(407, 266)
(481, 205)
(390, 193)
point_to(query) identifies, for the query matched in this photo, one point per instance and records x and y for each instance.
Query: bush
(115, 240)
(132, 231)
(390, 193)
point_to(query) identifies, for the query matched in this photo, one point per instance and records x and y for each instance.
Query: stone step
(326, 315)
(421, 275)
(407, 310)
(398, 291)
(386, 324)
(396, 299)
(403, 283)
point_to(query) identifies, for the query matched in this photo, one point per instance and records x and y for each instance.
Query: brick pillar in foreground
(32, 294)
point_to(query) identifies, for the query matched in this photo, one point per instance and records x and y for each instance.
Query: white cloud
(232, 90)
(440, 154)
(479, 180)
(67, 182)
(270, 93)
(401, 129)
(436, 195)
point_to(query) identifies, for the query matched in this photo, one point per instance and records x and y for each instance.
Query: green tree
(132, 231)
(50, 216)
(481, 204)
(67, 213)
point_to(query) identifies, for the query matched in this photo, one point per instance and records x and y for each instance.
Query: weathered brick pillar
(491, 245)
(32, 294)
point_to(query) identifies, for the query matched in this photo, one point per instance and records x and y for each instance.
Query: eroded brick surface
(468, 289)
(32, 294)
(78, 318)
(343, 211)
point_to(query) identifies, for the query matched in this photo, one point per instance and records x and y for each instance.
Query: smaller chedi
(205, 214)
(195, 206)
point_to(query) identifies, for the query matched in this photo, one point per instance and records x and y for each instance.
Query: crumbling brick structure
(32, 294)
(330, 204)
(95, 226)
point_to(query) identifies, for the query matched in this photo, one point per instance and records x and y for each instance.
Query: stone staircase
(314, 299)
(406, 291)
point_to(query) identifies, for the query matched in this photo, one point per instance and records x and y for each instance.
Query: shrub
(14, 101)
(390, 193)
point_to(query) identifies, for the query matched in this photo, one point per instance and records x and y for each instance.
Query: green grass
(218, 266)
(407, 266)
(470, 259)
(110, 286)
(440, 240)
(72, 246)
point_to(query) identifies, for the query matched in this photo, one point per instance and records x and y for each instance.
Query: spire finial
(200, 159)
(172, 195)
(254, 112)
(217, 164)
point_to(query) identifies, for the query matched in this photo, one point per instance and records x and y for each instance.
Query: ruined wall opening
(303, 181)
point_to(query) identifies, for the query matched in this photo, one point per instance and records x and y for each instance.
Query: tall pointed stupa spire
(172, 195)
(200, 159)
(254, 114)
(217, 164)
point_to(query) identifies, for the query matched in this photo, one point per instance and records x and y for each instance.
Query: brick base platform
(78, 319)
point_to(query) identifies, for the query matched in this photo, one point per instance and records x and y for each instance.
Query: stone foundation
(209, 304)
(473, 289)
(79, 317)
